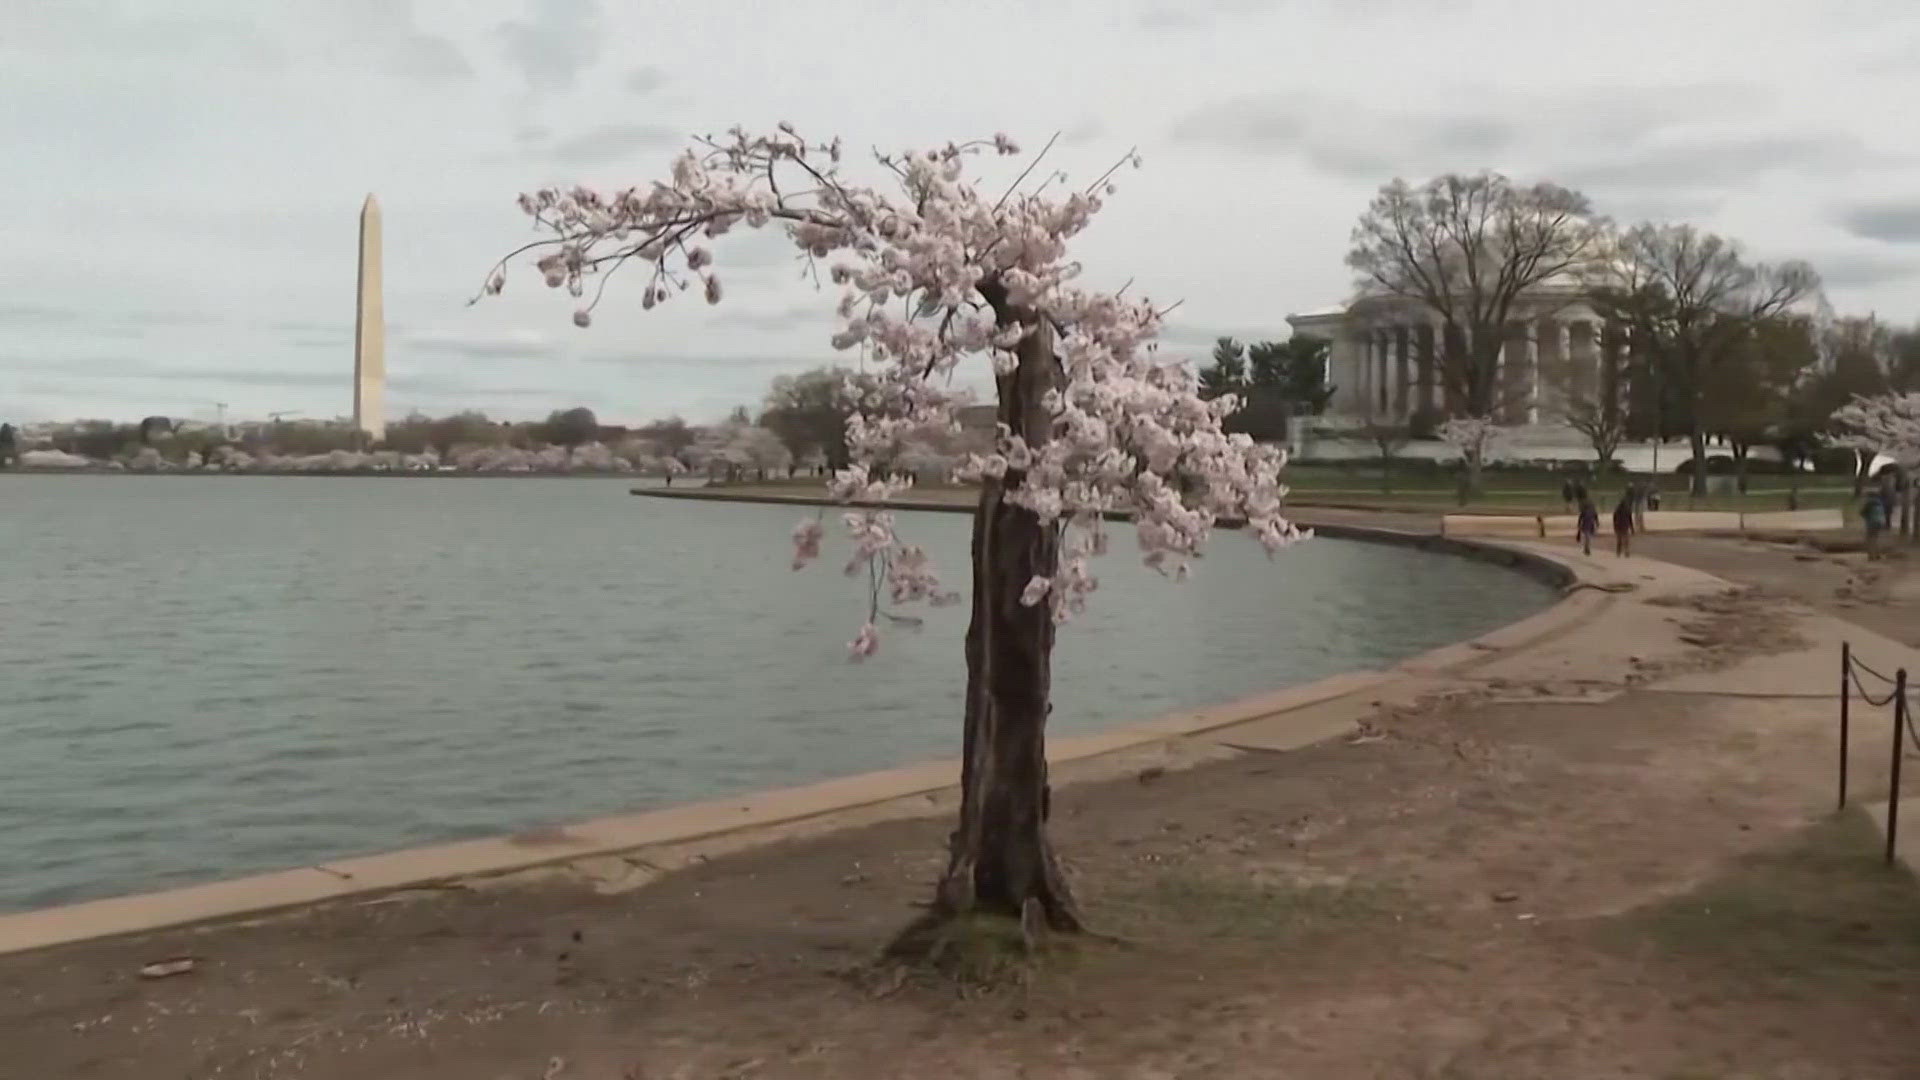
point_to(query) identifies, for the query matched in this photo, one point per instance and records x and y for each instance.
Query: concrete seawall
(1697, 521)
(658, 841)
(1541, 569)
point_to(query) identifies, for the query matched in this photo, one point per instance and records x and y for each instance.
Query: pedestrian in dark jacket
(1588, 526)
(1623, 526)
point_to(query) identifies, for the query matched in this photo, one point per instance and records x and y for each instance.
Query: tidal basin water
(209, 676)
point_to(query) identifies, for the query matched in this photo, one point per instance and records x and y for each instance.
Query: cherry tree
(933, 272)
(1884, 424)
(1477, 438)
(759, 449)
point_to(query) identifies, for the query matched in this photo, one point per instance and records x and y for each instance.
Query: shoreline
(330, 473)
(762, 817)
(1541, 569)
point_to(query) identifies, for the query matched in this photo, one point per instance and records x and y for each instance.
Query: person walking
(1623, 525)
(1567, 493)
(1873, 515)
(1589, 525)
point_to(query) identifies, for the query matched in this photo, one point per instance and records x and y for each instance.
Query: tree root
(1613, 587)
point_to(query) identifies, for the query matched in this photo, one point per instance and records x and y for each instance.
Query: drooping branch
(1125, 429)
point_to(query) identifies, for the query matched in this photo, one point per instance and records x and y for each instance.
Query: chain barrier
(1869, 698)
(1905, 728)
(1859, 665)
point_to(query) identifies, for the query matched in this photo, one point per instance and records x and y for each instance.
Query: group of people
(1635, 500)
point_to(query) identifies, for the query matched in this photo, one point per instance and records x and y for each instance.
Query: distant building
(1382, 357)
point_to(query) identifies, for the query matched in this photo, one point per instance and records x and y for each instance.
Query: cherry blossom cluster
(1477, 438)
(933, 273)
(1880, 423)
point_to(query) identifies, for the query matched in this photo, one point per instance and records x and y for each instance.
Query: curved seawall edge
(748, 820)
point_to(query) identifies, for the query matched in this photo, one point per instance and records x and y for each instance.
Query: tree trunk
(1740, 466)
(1862, 463)
(1697, 440)
(1000, 860)
(1470, 478)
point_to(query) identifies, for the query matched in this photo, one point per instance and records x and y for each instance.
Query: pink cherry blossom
(1880, 423)
(865, 643)
(806, 542)
(1477, 438)
(1126, 428)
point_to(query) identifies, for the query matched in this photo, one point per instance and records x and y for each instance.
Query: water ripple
(212, 676)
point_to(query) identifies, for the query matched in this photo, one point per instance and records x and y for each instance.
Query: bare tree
(1604, 428)
(1387, 439)
(1692, 304)
(1468, 248)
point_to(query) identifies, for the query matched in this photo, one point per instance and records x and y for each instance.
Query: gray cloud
(482, 346)
(1463, 129)
(1716, 161)
(455, 387)
(1084, 132)
(404, 380)
(430, 58)
(1349, 140)
(389, 31)
(613, 143)
(1863, 269)
(192, 113)
(561, 40)
(1196, 14)
(302, 326)
(679, 363)
(119, 369)
(334, 343)
(646, 79)
(15, 314)
(1169, 18)
(1896, 222)
(1656, 204)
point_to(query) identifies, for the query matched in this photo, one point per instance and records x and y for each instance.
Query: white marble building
(1382, 359)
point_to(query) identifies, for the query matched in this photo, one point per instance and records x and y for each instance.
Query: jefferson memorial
(1382, 359)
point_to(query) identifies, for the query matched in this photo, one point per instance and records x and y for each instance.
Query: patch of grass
(1215, 905)
(975, 953)
(1823, 909)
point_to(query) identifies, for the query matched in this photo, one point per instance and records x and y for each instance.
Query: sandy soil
(1646, 887)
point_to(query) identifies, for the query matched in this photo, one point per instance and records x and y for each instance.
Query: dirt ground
(1653, 886)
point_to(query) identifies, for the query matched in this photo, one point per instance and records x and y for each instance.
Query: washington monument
(369, 332)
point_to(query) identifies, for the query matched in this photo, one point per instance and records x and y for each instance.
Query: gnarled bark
(1001, 860)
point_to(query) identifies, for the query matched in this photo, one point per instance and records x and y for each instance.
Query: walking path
(1592, 846)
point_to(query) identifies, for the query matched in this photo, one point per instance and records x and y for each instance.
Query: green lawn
(1532, 492)
(1424, 490)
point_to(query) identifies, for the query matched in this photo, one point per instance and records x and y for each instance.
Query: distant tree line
(1717, 348)
(801, 426)
(1275, 381)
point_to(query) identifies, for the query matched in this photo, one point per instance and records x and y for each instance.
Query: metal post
(1846, 701)
(1899, 733)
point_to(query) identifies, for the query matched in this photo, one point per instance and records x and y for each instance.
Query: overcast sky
(183, 177)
